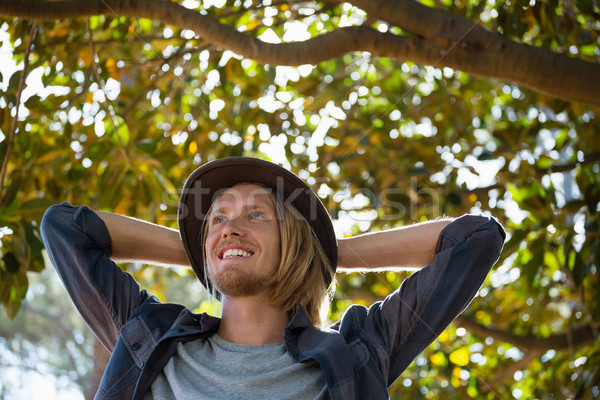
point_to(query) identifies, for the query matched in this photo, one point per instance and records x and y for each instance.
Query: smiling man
(260, 240)
(242, 241)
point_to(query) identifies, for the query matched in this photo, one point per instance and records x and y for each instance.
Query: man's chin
(232, 284)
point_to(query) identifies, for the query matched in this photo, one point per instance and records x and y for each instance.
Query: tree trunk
(101, 356)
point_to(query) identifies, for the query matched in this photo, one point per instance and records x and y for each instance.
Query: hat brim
(213, 177)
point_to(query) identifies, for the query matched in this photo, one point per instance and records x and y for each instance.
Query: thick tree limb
(418, 19)
(574, 337)
(444, 40)
(533, 344)
(489, 54)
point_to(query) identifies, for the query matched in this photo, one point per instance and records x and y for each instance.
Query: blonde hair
(304, 271)
(301, 276)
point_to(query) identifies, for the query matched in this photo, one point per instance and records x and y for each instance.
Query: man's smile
(234, 251)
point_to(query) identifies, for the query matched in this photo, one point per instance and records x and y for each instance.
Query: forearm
(407, 247)
(136, 240)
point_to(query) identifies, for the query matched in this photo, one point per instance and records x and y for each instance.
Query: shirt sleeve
(412, 317)
(79, 246)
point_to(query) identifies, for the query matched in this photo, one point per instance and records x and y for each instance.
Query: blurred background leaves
(384, 142)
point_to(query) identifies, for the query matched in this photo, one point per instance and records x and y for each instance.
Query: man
(261, 241)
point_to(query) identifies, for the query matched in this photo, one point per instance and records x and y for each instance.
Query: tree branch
(451, 41)
(109, 108)
(575, 336)
(473, 49)
(431, 23)
(15, 121)
(587, 159)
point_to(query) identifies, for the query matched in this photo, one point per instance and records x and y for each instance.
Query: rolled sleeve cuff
(464, 226)
(88, 221)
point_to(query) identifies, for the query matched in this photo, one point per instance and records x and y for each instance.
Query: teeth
(231, 253)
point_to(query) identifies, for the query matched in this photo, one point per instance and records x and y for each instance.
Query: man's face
(243, 242)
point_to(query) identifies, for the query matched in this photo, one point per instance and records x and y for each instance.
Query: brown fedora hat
(212, 178)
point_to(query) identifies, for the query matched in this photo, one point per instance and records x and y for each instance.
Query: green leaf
(35, 208)
(34, 241)
(145, 24)
(96, 21)
(574, 205)
(11, 262)
(13, 82)
(112, 182)
(551, 260)
(580, 270)
(121, 134)
(13, 305)
(5, 286)
(22, 283)
(585, 6)
(418, 171)
(545, 161)
(486, 155)
(535, 264)
(100, 150)
(11, 192)
(147, 146)
(515, 240)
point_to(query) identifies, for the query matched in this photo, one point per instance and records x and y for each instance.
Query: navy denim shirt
(361, 355)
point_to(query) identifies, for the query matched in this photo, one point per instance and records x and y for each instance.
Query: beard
(236, 282)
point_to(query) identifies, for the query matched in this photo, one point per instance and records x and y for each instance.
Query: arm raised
(136, 240)
(410, 318)
(412, 246)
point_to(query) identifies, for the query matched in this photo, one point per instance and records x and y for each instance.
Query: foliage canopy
(492, 108)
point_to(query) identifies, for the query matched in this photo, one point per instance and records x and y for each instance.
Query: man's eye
(217, 220)
(257, 215)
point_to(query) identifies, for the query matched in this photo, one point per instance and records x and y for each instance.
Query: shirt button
(136, 346)
(142, 364)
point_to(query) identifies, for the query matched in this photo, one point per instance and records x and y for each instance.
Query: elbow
(499, 234)
(485, 230)
(490, 241)
(51, 218)
(46, 224)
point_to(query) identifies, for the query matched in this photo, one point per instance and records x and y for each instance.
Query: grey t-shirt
(219, 370)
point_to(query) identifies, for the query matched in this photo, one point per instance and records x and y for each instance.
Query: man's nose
(233, 228)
